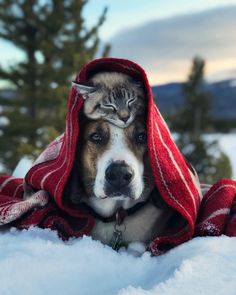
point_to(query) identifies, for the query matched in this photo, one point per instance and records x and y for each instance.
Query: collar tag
(116, 240)
(119, 229)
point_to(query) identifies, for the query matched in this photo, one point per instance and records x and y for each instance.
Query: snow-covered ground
(37, 262)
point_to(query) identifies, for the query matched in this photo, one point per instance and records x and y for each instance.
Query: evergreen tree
(195, 113)
(56, 43)
(191, 121)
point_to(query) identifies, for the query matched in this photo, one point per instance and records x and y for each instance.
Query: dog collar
(120, 214)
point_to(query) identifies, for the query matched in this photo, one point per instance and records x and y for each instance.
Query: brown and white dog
(117, 181)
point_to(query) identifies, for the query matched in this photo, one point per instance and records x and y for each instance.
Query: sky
(123, 14)
(153, 27)
(166, 47)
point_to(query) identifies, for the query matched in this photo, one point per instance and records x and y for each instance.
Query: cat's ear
(85, 90)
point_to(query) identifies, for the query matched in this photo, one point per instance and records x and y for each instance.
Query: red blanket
(39, 200)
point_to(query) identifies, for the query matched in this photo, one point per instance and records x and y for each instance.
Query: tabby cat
(113, 96)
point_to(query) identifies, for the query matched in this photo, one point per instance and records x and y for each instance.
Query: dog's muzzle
(118, 176)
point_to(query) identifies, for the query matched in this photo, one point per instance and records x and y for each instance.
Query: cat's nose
(124, 115)
(125, 119)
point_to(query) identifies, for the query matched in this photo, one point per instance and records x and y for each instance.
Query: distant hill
(169, 97)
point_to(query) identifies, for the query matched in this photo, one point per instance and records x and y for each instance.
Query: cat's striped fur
(113, 96)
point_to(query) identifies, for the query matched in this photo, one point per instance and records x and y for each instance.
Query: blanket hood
(173, 177)
(40, 198)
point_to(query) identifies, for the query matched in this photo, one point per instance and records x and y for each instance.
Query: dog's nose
(119, 174)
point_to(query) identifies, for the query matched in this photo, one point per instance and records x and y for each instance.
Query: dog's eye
(141, 137)
(96, 137)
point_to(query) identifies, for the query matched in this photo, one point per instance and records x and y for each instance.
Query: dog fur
(119, 144)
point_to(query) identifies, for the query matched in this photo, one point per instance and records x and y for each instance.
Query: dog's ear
(73, 190)
(83, 89)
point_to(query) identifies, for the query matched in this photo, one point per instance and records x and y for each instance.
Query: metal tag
(116, 240)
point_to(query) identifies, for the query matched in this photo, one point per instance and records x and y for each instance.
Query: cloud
(165, 47)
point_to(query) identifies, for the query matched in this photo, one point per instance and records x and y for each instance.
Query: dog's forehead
(112, 130)
(113, 133)
(98, 125)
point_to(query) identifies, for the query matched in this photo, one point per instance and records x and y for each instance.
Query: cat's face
(114, 97)
(119, 105)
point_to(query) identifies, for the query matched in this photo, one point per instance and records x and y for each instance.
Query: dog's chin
(107, 205)
(121, 198)
(115, 197)
(125, 195)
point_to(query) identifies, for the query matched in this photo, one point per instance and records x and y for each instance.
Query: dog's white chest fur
(142, 226)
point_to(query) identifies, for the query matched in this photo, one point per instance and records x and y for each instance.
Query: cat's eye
(141, 137)
(110, 106)
(96, 138)
(129, 102)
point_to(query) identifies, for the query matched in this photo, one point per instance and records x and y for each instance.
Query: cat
(113, 96)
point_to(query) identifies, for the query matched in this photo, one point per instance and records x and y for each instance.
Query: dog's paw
(135, 249)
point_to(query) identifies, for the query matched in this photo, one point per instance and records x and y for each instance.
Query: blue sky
(126, 15)
(165, 47)
(123, 14)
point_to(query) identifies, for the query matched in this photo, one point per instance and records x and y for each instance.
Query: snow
(227, 143)
(4, 121)
(38, 262)
(233, 83)
(22, 167)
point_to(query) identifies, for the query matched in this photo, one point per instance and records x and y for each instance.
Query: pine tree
(195, 111)
(191, 121)
(56, 43)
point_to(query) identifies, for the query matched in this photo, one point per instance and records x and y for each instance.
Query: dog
(117, 183)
